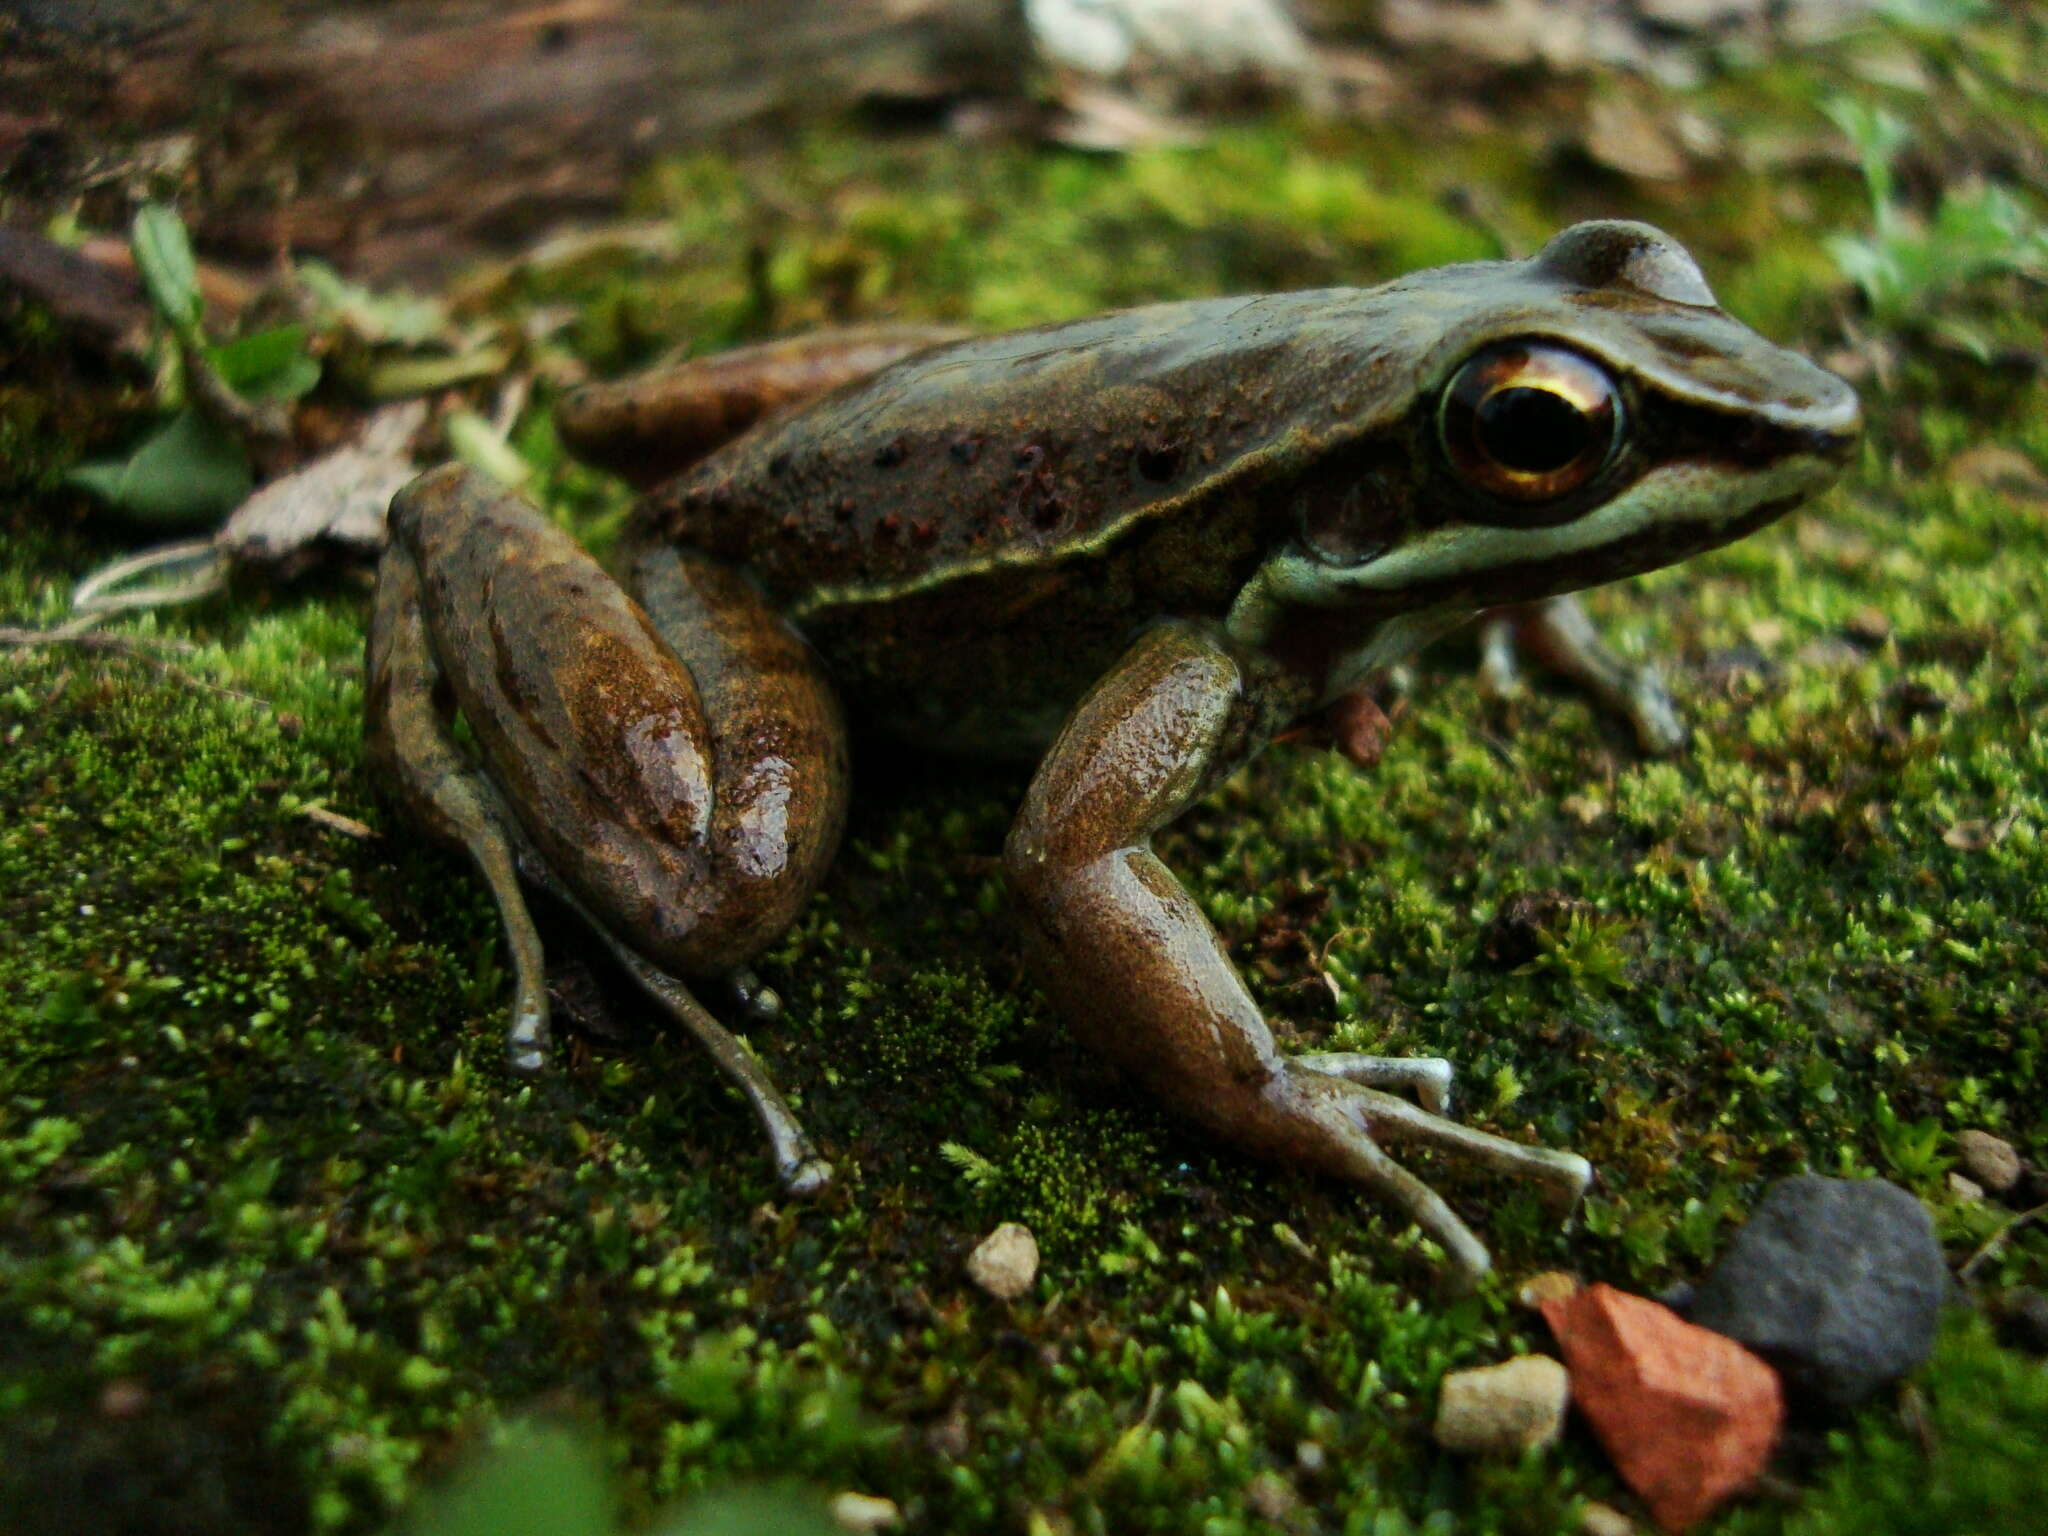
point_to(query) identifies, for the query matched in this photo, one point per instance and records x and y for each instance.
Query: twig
(80, 634)
(77, 634)
(334, 821)
(1997, 1241)
(99, 594)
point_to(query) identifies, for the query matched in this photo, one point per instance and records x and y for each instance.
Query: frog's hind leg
(1557, 634)
(413, 751)
(679, 780)
(655, 425)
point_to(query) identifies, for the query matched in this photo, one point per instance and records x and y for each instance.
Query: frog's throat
(1674, 511)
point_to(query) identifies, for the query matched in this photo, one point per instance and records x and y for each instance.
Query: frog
(1131, 550)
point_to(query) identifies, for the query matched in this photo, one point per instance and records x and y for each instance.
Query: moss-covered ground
(280, 1239)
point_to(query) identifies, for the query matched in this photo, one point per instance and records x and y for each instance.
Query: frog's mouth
(1674, 511)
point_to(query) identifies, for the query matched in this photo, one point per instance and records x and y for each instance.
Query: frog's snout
(1834, 438)
(1827, 435)
(1834, 430)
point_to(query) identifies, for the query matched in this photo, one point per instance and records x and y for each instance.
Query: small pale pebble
(123, 1398)
(864, 1513)
(1990, 1161)
(1964, 1189)
(1272, 1498)
(1006, 1262)
(1597, 1519)
(1505, 1409)
(1550, 1285)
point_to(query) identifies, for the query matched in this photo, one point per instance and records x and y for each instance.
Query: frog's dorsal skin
(1175, 529)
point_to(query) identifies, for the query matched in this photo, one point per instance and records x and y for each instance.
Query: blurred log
(389, 134)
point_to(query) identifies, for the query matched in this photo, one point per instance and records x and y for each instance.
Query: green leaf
(267, 365)
(400, 319)
(539, 1482)
(769, 1511)
(473, 442)
(163, 254)
(186, 473)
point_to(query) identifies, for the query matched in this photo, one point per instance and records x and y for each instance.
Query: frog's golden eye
(1527, 421)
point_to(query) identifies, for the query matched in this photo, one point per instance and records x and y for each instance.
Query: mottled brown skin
(1179, 530)
(657, 425)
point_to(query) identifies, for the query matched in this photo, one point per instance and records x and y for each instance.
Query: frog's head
(1584, 415)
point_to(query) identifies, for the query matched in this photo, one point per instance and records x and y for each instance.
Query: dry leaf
(338, 499)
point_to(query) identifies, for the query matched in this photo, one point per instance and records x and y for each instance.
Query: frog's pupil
(1532, 431)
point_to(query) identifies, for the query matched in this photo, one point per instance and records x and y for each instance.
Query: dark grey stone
(1837, 1282)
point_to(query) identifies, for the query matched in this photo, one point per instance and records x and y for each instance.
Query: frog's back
(1010, 452)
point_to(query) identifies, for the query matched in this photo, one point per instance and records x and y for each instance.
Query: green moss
(279, 1237)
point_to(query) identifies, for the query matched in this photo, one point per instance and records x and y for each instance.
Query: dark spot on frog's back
(891, 453)
(1157, 462)
(964, 450)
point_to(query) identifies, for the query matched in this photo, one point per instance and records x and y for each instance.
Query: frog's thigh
(690, 798)
(1557, 634)
(1141, 976)
(777, 744)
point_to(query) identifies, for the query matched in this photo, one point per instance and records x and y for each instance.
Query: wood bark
(392, 135)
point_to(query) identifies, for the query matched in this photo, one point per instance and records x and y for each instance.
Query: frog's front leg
(1557, 635)
(1142, 977)
(674, 773)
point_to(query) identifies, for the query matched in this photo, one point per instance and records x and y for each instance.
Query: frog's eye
(1527, 422)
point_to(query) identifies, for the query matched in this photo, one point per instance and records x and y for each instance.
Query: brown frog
(1152, 540)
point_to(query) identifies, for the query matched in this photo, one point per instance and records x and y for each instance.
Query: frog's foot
(1341, 1124)
(1559, 636)
(797, 1161)
(1427, 1077)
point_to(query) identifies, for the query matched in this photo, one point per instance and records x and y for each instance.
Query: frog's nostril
(1837, 440)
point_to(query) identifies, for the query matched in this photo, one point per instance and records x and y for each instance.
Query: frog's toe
(1649, 708)
(753, 997)
(807, 1177)
(1429, 1078)
(1574, 1176)
(526, 1042)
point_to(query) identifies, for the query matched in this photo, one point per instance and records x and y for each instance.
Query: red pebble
(1689, 1417)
